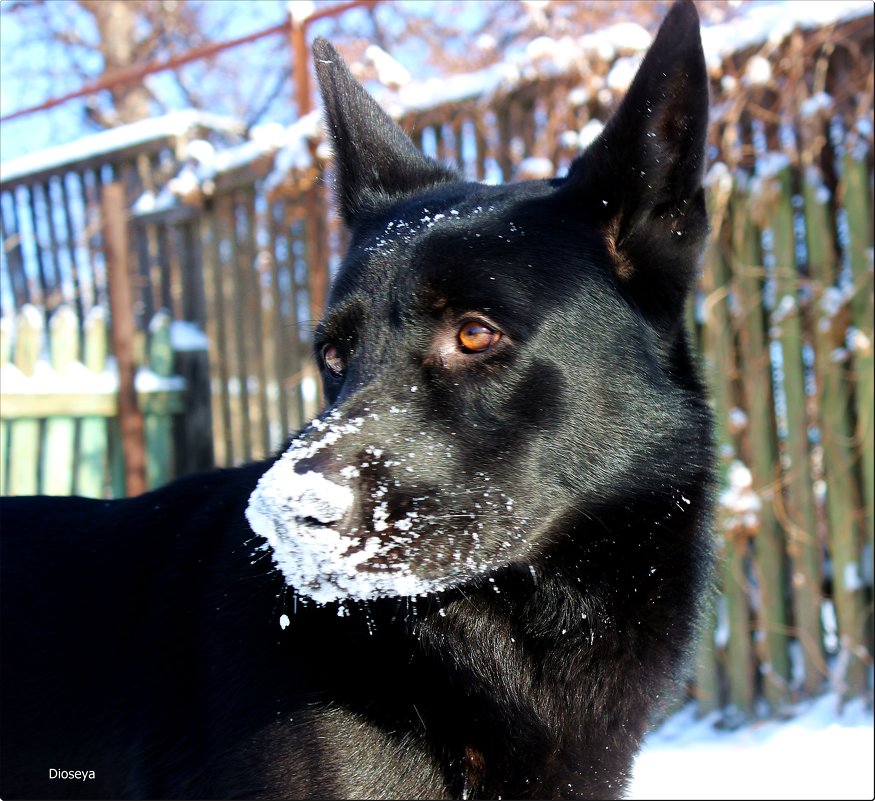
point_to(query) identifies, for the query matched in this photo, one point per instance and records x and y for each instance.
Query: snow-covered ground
(818, 754)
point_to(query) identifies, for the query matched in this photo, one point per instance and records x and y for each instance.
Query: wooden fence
(783, 318)
(59, 426)
(785, 327)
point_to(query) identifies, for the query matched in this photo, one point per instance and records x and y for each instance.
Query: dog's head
(502, 364)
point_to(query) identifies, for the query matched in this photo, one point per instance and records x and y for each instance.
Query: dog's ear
(374, 159)
(641, 178)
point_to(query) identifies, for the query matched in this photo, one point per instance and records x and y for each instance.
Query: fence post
(799, 521)
(93, 433)
(5, 344)
(159, 360)
(115, 240)
(720, 358)
(855, 198)
(768, 542)
(849, 588)
(60, 432)
(193, 429)
(24, 439)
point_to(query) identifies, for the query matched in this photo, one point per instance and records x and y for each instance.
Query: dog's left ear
(374, 159)
(641, 178)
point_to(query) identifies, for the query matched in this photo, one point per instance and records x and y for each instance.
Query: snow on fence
(235, 236)
(59, 426)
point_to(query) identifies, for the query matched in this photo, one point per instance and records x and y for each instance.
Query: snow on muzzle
(304, 515)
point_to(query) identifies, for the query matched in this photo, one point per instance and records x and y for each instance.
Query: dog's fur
(554, 489)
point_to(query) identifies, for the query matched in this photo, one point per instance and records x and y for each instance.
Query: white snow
(820, 101)
(389, 71)
(150, 203)
(757, 71)
(857, 341)
(739, 502)
(542, 56)
(294, 150)
(771, 164)
(737, 419)
(174, 124)
(187, 336)
(819, 754)
(755, 24)
(621, 74)
(295, 511)
(623, 36)
(535, 167)
(301, 10)
(720, 176)
(590, 131)
(77, 379)
(759, 23)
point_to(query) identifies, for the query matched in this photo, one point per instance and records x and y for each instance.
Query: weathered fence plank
(849, 590)
(92, 468)
(855, 198)
(59, 440)
(797, 511)
(772, 624)
(720, 358)
(57, 411)
(834, 399)
(114, 211)
(5, 345)
(24, 435)
(159, 447)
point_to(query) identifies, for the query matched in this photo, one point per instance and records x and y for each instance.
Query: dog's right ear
(374, 160)
(641, 179)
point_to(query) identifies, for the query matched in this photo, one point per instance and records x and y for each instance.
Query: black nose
(326, 462)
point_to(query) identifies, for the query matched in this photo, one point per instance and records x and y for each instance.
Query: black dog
(477, 573)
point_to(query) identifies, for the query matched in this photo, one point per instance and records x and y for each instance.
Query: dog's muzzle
(305, 505)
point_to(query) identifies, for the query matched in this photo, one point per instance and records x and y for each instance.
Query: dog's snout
(324, 495)
(322, 462)
(319, 499)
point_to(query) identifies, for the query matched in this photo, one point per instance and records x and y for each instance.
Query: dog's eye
(332, 359)
(475, 336)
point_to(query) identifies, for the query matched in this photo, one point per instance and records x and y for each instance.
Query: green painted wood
(849, 589)
(772, 618)
(218, 338)
(722, 372)
(263, 445)
(5, 352)
(798, 514)
(87, 404)
(58, 451)
(24, 434)
(116, 459)
(158, 426)
(857, 202)
(704, 334)
(707, 686)
(93, 461)
(834, 390)
(240, 268)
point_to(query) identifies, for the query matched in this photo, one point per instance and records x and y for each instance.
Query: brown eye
(332, 360)
(475, 337)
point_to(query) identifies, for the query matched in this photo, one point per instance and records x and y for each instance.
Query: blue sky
(52, 76)
(66, 122)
